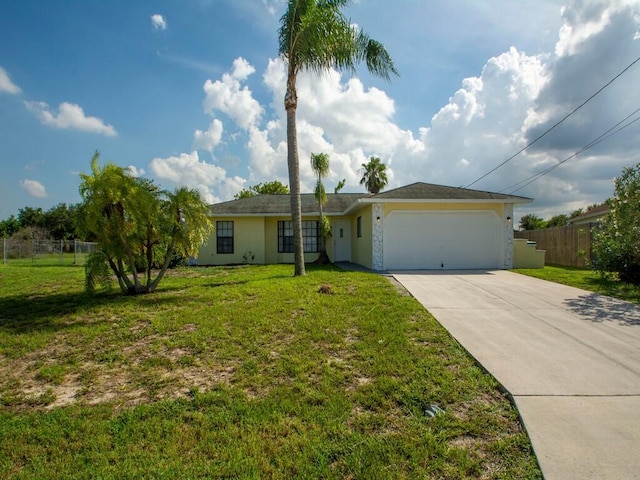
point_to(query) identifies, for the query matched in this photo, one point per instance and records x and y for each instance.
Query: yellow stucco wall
(271, 244)
(248, 238)
(497, 207)
(362, 247)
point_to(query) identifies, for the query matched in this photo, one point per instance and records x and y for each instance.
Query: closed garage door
(442, 240)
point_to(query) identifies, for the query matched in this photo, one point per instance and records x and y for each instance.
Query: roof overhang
(362, 201)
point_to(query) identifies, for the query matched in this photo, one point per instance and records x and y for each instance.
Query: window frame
(310, 236)
(225, 244)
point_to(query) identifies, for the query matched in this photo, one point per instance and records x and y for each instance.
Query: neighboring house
(419, 226)
(594, 215)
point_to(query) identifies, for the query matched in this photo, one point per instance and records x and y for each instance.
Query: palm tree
(374, 176)
(315, 35)
(320, 166)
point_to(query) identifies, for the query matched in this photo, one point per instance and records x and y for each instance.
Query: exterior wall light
(377, 219)
(509, 219)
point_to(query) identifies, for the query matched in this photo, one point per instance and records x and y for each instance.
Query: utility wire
(556, 124)
(588, 146)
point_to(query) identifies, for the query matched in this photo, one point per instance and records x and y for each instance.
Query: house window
(224, 237)
(359, 226)
(310, 236)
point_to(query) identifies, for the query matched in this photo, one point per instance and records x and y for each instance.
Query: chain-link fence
(46, 252)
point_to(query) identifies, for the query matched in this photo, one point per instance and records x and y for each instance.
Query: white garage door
(442, 240)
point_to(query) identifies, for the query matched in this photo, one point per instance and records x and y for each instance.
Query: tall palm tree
(320, 166)
(374, 175)
(315, 35)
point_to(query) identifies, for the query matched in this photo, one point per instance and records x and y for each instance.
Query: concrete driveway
(570, 359)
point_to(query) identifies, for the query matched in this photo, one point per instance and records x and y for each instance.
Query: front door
(341, 241)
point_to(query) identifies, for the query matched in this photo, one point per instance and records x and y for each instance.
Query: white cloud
(210, 139)
(6, 85)
(158, 22)
(490, 117)
(134, 171)
(70, 116)
(187, 169)
(230, 97)
(34, 188)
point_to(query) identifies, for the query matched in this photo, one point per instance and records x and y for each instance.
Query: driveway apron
(570, 359)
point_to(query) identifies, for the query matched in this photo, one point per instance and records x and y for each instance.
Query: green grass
(242, 372)
(587, 280)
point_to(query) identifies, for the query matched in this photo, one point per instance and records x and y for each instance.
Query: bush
(616, 244)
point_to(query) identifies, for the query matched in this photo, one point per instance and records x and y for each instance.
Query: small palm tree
(315, 35)
(374, 175)
(320, 166)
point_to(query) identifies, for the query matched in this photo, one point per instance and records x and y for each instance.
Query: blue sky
(190, 93)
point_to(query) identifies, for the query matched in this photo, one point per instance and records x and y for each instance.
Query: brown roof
(338, 203)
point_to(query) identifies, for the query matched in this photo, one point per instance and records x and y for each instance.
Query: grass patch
(586, 279)
(242, 372)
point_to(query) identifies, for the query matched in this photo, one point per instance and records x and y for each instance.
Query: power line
(588, 146)
(556, 124)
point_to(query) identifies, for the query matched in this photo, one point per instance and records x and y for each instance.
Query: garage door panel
(438, 240)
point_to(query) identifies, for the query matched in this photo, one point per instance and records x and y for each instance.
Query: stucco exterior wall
(248, 239)
(361, 247)
(271, 243)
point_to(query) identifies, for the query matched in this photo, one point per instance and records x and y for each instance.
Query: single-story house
(595, 215)
(418, 226)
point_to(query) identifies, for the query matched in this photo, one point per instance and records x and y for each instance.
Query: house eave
(371, 200)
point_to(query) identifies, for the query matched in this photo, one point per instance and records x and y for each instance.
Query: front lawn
(242, 372)
(587, 280)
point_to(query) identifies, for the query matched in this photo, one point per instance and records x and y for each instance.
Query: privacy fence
(569, 246)
(46, 252)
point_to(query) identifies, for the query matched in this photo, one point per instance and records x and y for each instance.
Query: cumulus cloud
(514, 98)
(70, 116)
(209, 139)
(34, 188)
(6, 85)
(134, 171)
(231, 98)
(187, 169)
(158, 22)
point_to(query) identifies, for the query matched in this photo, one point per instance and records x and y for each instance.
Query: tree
(374, 175)
(31, 217)
(9, 226)
(320, 166)
(60, 222)
(576, 213)
(314, 35)
(531, 222)
(268, 188)
(616, 244)
(559, 220)
(340, 185)
(138, 225)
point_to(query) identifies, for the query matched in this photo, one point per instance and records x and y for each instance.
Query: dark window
(359, 226)
(310, 235)
(224, 237)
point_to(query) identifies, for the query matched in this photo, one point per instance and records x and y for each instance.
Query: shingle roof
(281, 204)
(338, 203)
(430, 191)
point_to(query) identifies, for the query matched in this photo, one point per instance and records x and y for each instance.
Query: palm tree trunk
(293, 163)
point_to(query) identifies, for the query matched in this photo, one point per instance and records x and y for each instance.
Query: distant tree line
(57, 223)
(531, 221)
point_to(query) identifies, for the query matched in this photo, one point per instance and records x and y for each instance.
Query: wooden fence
(568, 246)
